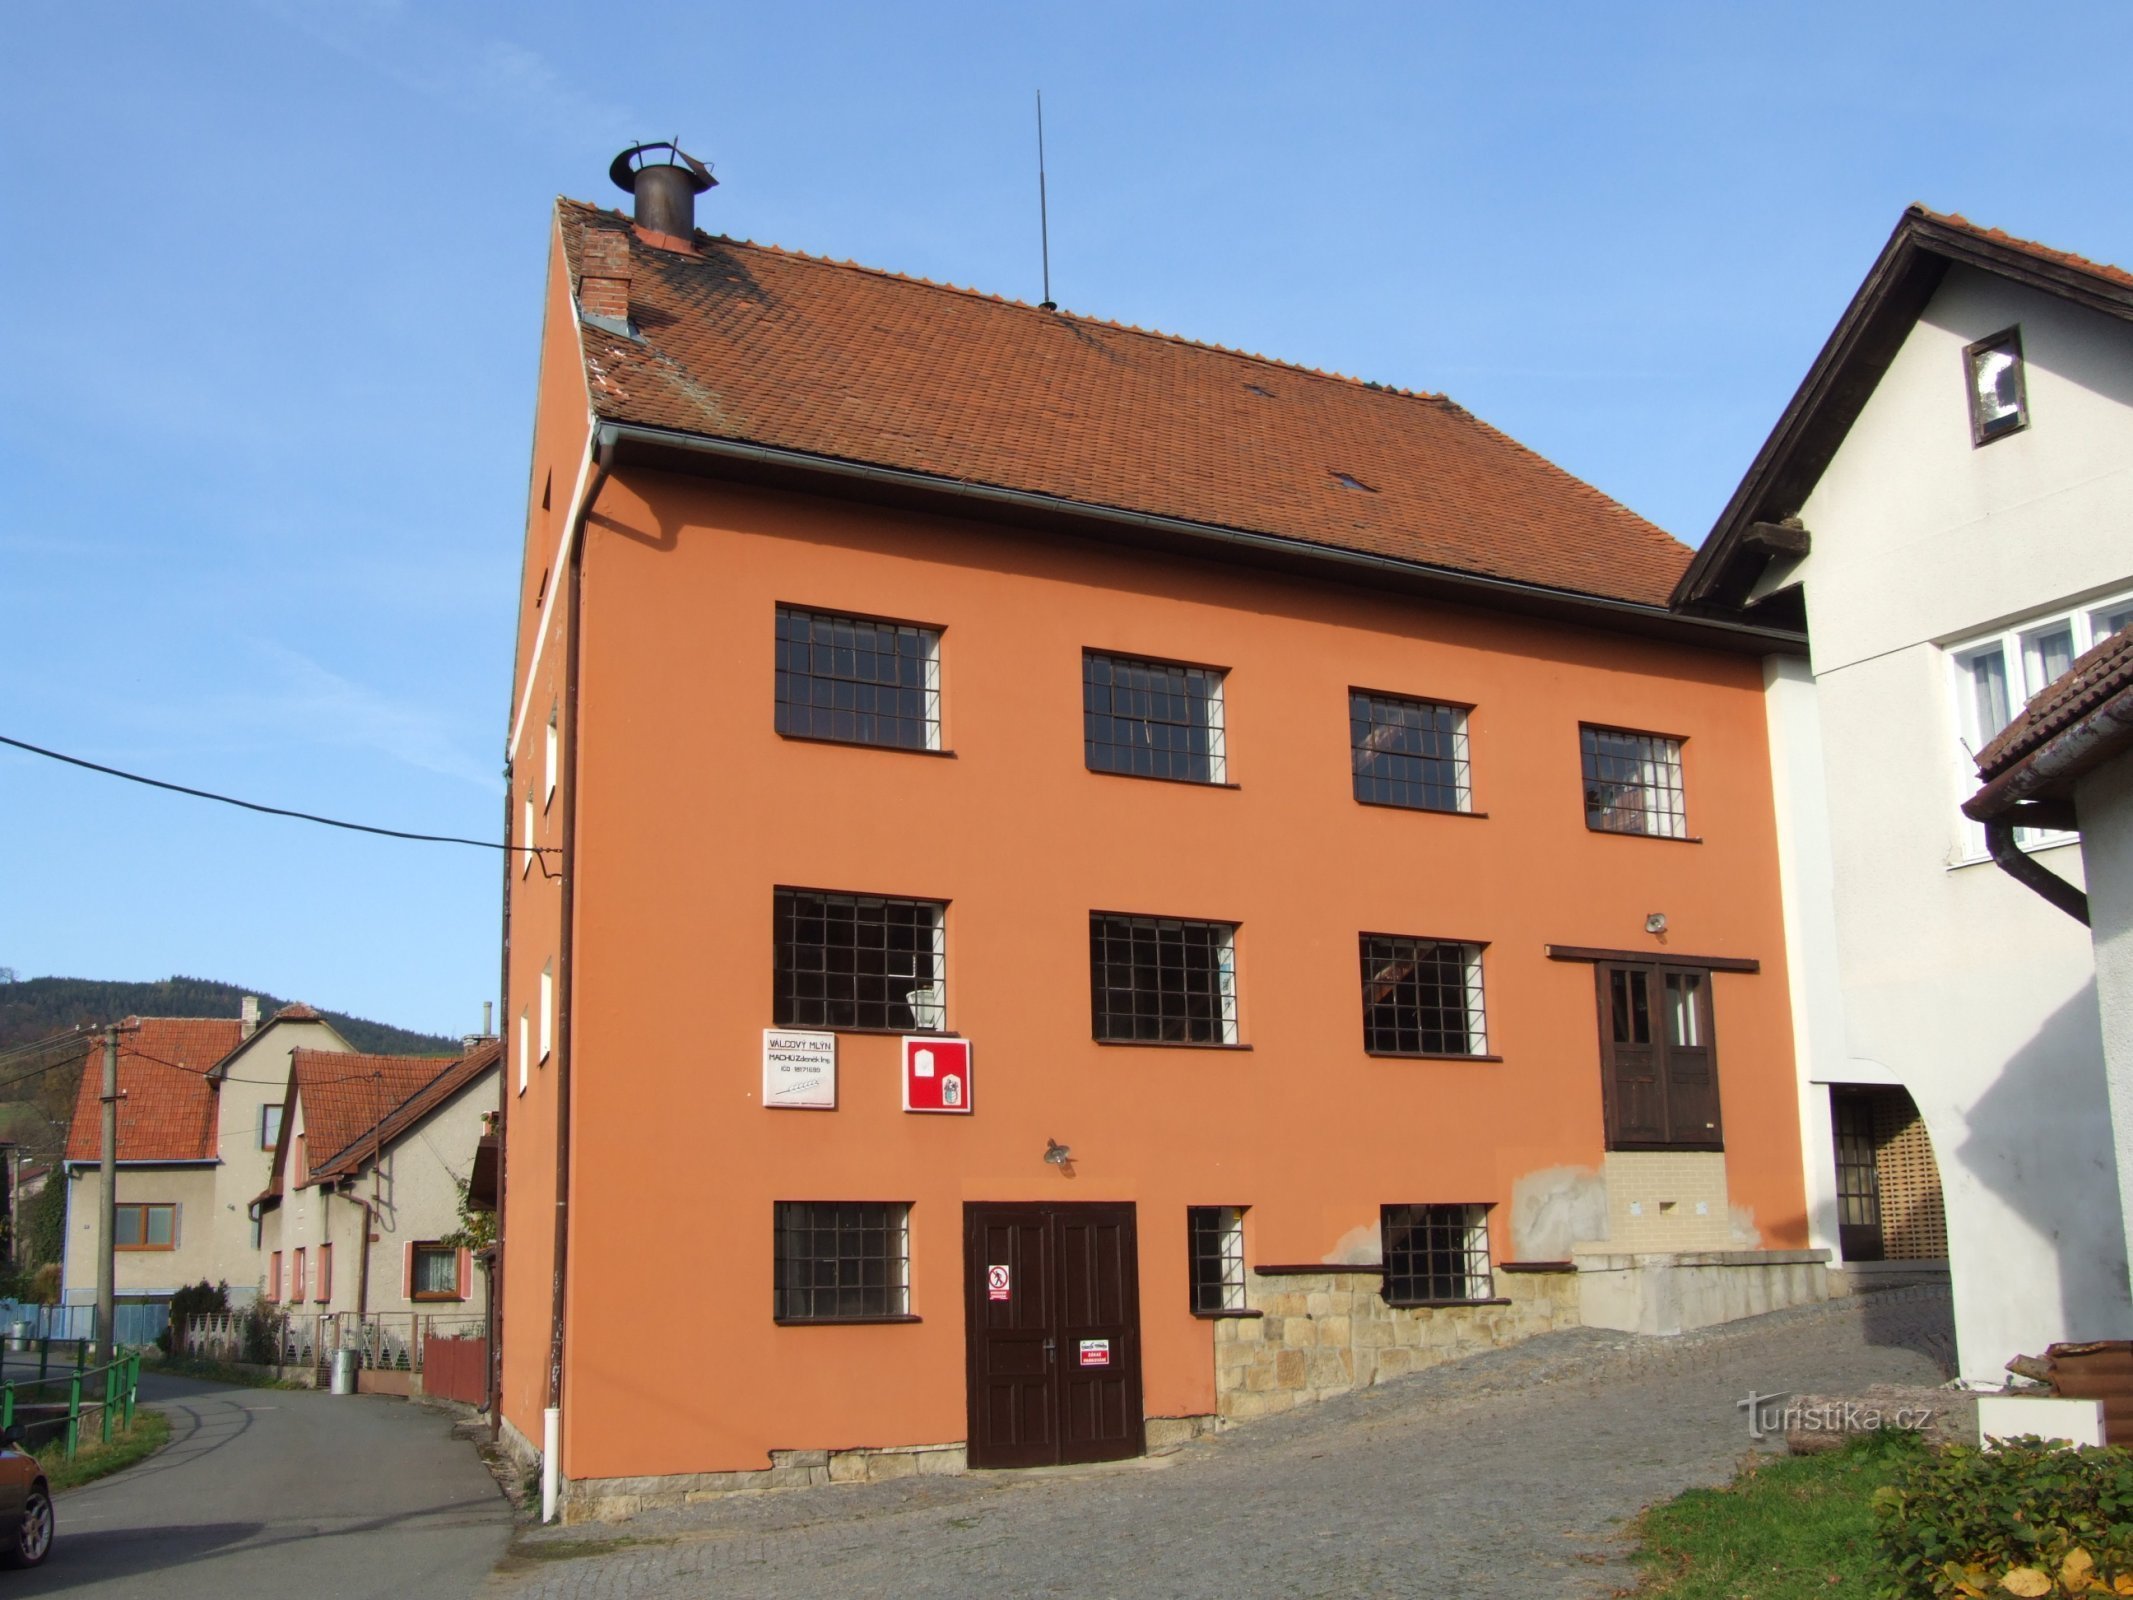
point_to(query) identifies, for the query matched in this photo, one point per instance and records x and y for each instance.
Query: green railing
(121, 1383)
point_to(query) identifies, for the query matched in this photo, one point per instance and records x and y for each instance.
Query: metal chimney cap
(625, 167)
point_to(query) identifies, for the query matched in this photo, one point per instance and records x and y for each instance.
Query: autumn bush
(2024, 1518)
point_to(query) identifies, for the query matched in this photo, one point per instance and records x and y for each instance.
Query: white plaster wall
(257, 1075)
(141, 1272)
(2104, 802)
(1973, 992)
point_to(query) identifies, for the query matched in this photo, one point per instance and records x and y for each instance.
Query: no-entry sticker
(997, 1281)
(1096, 1352)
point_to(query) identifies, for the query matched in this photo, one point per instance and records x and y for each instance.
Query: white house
(2067, 762)
(1946, 508)
(199, 1115)
(364, 1196)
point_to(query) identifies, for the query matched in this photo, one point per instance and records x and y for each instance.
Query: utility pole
(107, 1222)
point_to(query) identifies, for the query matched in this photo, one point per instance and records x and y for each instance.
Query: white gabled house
(1946, 509)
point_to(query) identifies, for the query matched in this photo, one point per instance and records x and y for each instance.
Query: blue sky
(270, 301)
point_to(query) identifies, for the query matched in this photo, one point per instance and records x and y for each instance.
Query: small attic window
(1264, 394)
(1999, 399)
(1350, 481)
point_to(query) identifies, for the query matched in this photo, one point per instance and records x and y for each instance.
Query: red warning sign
(936, 1073)
(997, 1280)
(1096, 1352)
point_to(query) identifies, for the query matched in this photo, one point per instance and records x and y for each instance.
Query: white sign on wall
(800, 1069)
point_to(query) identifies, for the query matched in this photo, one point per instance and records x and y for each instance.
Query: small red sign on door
(936, 1074)
(997, 1280)
(1096, 1352)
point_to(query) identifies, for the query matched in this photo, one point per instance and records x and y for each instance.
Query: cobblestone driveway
(1510, 1470)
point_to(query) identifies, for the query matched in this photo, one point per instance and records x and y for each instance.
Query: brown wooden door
(1658, 1058)
(1054, 1364)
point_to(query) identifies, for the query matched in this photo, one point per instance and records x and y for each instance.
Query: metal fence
(137, 1322)
(386, 1341)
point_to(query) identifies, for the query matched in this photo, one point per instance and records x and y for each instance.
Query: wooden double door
(1053, 1333)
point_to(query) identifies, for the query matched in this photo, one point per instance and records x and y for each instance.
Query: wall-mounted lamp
(1057, 1154)
(1655, 922)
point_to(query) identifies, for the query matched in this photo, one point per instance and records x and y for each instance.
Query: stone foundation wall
(613, 1499)
(1325, 1333)
(1677, 1291)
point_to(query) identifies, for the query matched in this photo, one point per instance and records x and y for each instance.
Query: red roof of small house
(166, 1109)
(345, 1097)
(830, 361)
(410, 1112)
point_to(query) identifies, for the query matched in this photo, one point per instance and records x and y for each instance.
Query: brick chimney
(604, 275)
(248, 1017)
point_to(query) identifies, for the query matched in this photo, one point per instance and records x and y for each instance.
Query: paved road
(271, 1490)
(1509, 1471)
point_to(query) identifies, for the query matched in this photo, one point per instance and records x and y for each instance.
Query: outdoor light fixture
(1655, 922)
(1056, 1153)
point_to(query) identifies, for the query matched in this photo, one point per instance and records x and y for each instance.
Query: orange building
(1318, 906)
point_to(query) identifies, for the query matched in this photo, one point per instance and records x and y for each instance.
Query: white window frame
(525, 836)
(525, 1047)
(554, 756)
(2025, 680)
(547, 1011)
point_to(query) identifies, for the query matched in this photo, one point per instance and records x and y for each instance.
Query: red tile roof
(166, 1109)
(346, 1096)
(296, 1011)
(455, 1077)
(764, 346)
(2029, 247)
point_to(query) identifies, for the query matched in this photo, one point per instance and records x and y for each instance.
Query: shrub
(259, 1332)
(2023, 1519)
(44, 1284)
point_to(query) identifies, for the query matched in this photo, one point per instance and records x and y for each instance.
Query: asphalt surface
(272, 1490)
(1516, 1470)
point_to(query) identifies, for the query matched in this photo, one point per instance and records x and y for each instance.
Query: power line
(536, 850)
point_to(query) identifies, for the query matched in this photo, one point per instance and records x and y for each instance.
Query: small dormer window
(1999, 400)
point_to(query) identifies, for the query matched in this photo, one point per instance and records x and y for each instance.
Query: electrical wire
(53, 1042)
(535, 850)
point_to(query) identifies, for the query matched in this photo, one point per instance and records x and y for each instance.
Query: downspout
(573, 576)
(508, 1041)
(2029, 872)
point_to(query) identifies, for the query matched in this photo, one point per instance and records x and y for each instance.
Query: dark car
(26, 1525)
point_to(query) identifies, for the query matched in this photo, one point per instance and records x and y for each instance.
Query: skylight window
(1348, 480)
(1264, 394)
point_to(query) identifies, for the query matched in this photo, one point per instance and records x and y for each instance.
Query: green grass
(95, 1459)
(1787, 1527)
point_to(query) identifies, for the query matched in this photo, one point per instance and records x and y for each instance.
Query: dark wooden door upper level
(1658, 1057)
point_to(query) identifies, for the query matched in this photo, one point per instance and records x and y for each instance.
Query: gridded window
(145, 1227)
(860, 681)
(842, 1259)
(1152, 719)
(860, 962)
(1217, 1234)
(1409, 752)
(1633, 782)
(1158, 980)
(1422, 997)
(1435, 1253)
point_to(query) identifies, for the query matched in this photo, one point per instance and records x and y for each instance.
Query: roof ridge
(2036, 247)
(972, 292)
